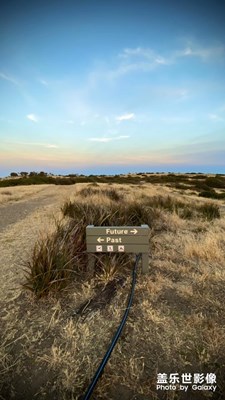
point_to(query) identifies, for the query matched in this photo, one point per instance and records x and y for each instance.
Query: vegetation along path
(177, 319)
(20, 223)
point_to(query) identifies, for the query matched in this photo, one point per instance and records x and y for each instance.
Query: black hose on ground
(116, 336)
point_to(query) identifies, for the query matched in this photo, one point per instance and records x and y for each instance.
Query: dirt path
(13, 212)
(21, 223)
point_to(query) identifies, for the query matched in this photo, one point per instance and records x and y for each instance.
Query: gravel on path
(11, 213)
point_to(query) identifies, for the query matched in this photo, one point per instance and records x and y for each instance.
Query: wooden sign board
(119, 239)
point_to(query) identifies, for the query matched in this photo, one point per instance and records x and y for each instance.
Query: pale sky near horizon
(112, 87)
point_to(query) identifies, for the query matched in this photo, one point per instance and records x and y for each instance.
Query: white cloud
(146, 59)
(194, 49)
(144, 53)
(215, 117)
(43, 82)
(130, 52)
(108, 139)
(137, 59)
(70, 121)
(50, 146)
(104, 139)
(9, 78)
(161, 60)
(32, 117)
(37, 144)
(125, 117)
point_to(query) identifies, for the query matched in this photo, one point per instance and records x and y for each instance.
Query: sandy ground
(21, 222)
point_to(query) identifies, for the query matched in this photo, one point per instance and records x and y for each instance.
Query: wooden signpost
(118, 239)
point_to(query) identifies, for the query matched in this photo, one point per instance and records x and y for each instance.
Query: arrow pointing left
(100, 240)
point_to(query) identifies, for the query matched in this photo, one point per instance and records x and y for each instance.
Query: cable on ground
(116, 336)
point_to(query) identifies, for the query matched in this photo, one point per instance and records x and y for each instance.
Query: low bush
(209, 211)
(182, 186)
(6, 192)
(164, 202)
(215, 182)
(113, 194)
(88, 192)
(184, 210)
(212, 194)
(133, 213)
(187, 213)
(110, 193)
(55, 260)
(94, 184)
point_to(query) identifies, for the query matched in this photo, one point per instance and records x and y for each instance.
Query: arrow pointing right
(134, 231)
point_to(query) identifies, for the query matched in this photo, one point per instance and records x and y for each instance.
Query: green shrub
(209, 211)
(200, 185)
(182, 186)
(212, 194)
(215, 182)
(197, 176)
(208, 193)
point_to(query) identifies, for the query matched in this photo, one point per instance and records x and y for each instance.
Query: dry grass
(19, 192)
(176, 323)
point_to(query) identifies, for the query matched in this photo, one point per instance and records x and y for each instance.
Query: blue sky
(112, 87)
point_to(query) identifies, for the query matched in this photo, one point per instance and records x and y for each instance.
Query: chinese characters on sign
(185, 381)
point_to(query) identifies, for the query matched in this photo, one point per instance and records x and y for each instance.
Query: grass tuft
(209, 211)
(55, 260)
(112, 194)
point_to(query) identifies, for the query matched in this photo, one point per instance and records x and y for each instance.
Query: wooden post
(91, 264)
(144, 258)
